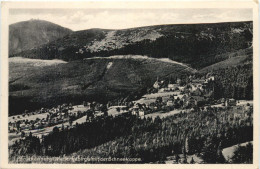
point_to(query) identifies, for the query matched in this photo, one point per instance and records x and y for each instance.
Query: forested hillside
(203, 132)
(235, 82)
(33, 84)
(233, 77)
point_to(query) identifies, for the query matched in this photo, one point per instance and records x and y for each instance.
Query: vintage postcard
(129, 84)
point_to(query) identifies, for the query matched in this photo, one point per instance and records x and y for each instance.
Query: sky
(80, 19)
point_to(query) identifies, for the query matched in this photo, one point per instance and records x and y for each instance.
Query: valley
(90, 80)
(177, 93)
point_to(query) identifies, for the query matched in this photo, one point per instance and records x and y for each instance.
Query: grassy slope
(32, 87)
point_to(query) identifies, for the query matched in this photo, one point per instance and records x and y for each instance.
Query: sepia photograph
(128, 85)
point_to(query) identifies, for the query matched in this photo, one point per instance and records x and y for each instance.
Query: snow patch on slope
(36, 62)
(167, 60)
(109, 65)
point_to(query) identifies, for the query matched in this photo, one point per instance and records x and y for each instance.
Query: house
(208, 94)
(248, 108)
(137, 112)
(210, 78)
(156, 84)
(198, 81)
(134, 112)
(190, 102)
(141, 113)
(184, 98)
(193, 101)
(192, 87)
(172, 86)
(197, 92)
(195, 86)
(230, 102)
(199, 100)
(161, 90)
(170, 103)
(178, 81)
(201, 86)
(178, 97)
(222, 101)
(181, 88)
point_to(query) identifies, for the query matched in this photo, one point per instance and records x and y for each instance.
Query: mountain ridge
(178, 42)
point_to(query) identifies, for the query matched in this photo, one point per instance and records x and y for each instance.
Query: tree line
(234, 82)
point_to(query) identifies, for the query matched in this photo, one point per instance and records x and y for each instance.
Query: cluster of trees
(234, 82)
(29, 145)
(243, 154)
(203, 132)
(86, 135)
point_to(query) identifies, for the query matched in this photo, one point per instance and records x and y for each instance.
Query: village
(166, 98)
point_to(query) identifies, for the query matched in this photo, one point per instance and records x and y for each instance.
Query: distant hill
(40, 83)
(197, 45)
(31, 34)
